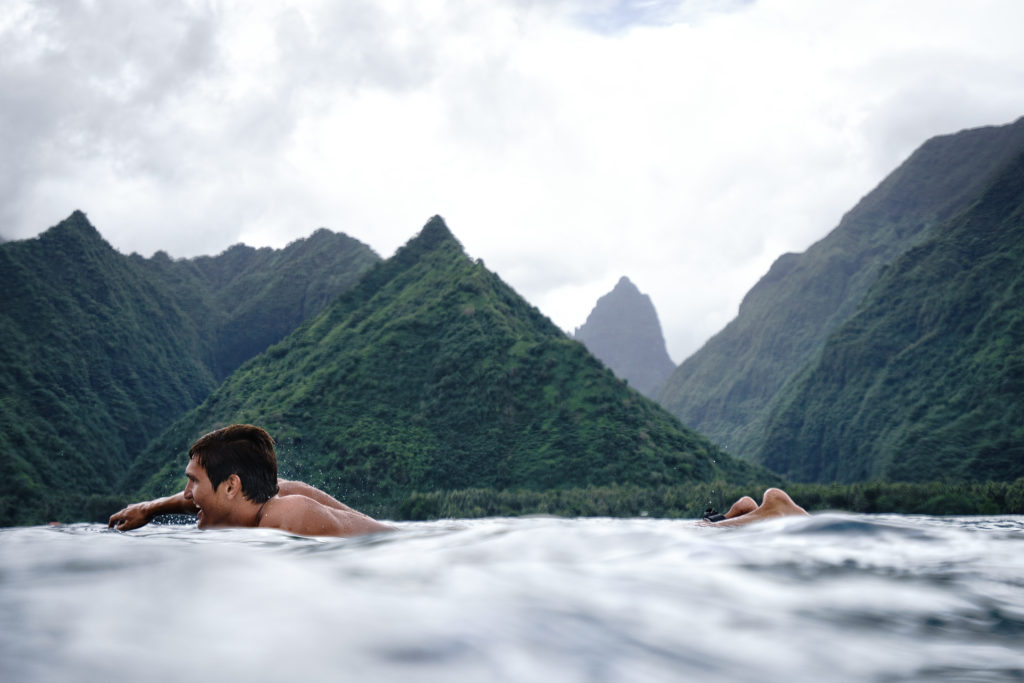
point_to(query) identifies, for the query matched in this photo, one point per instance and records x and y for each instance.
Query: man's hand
(132, 517)
(141, 514)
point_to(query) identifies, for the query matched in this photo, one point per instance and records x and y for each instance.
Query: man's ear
(233, 485)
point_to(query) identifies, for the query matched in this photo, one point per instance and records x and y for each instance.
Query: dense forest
(927, 379)
(99, 352)
(689, 501)
(433, 374)
(952, 411)
(880, 371)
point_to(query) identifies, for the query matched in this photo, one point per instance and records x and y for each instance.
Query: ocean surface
(831, 597)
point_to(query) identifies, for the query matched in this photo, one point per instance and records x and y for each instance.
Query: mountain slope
(433, 374)
(926, 382)
(93, 357)
(726, 388)
(246, 299)
(99, 352)
(624, 333)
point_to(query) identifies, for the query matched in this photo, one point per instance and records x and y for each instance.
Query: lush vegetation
(433, 374)
(99, 352)
(423, 386)
(246, 299)
(927, 380)
(688, 501)
(728, 388)
(92, 359)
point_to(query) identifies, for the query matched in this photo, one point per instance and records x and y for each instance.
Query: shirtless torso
(298, 508)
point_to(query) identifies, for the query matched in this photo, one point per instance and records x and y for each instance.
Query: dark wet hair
(245, 450)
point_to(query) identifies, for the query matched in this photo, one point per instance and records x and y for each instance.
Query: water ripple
(829, 597)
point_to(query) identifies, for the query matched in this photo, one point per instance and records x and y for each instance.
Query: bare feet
(743, 506)
(774, 503)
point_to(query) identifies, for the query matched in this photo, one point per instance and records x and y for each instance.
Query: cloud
(684, 144)
(72, 91)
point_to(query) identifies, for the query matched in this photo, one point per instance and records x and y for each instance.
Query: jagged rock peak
(623, 331)
(625, 284)
(624, 302)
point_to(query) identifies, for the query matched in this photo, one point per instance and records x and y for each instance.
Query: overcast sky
(684, 144)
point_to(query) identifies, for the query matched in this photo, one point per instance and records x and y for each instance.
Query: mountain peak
(432, 237)
(623, 331)
(433, 233)
(432, 374)
(626, 284)
(75, 230)
(78, 220)
(436, 222)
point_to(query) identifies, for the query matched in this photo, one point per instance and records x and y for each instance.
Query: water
(830, 597)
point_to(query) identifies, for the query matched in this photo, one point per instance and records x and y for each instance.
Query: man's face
(212, 505)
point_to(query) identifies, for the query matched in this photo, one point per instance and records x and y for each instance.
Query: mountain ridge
(433, 374)
(926, 380)
(726, 389)
(98, 350)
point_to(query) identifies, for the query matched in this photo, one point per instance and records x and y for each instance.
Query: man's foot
(743, 506)
(774, 503)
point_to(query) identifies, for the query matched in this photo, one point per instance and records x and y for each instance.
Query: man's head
(242, 450)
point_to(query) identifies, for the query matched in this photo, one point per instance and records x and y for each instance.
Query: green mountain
(92, 359)
(624, 333)
(729, 387)
(926, 381)
(99, 352)
(246, 299)
(432, 374)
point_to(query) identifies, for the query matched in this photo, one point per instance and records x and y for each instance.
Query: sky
(684, 144)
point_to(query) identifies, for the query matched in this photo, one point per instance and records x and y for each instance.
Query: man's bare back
(311, 512)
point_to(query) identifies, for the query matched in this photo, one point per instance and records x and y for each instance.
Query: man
(232, 482)
(774, 503)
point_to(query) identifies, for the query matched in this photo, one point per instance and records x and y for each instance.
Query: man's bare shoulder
(299, 514)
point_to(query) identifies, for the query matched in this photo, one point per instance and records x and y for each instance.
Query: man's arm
(140, 514)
